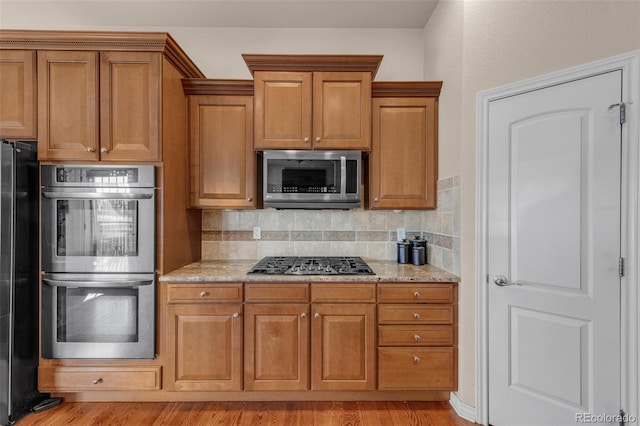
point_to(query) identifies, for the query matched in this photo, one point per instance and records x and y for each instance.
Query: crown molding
(297, 63)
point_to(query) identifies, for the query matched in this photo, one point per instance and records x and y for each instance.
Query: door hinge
(621, 267)
(623, 111)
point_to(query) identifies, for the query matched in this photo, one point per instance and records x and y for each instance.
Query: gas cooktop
(289, 265)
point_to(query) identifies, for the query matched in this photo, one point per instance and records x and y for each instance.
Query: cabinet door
(342, 110)
(403, 159)
(277, 347)
(67, 105)
(130, 105)
(18, 89)
(343, 346)
(223, 164)
(204, 348)
(283, 110)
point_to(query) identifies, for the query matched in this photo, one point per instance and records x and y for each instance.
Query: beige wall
(477, 45)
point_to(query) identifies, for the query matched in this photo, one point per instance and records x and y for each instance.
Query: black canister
(418, 251)
(404, 251)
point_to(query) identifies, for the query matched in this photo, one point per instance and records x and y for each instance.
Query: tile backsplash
(356, 232)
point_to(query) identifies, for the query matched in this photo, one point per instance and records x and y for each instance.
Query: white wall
(504, 42)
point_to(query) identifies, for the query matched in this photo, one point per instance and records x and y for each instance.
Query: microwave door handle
(343, 176)
(96, 195)
(90, 283)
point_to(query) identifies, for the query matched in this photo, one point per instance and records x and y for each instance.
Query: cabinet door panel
(18, 89)
(67, 105)
(342, 110)
(404, 153)
(342, 347)
(283, 110)
(277, 347)
(223, 164)
(130, 96)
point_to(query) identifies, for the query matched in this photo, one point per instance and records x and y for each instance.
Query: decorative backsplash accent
(228, 234)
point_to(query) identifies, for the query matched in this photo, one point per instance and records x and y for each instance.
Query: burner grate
(320, 265)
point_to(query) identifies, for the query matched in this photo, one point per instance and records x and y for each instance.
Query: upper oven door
(98, 230)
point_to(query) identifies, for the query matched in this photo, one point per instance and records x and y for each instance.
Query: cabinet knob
(303, 315)
(416, 294)
(416, 359)
(97, 381)
(104, 150)
(249, 199)
(318, 139)
(235, 315)
(203, 293)
(317, 315)
(416, 315)
(416, 338)
(306, 140)
(375, 200)
(89, 149)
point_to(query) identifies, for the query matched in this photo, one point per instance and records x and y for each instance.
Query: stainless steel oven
(98, 218)
(98, 315)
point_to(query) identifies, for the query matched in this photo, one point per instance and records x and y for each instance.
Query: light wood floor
(247, 414)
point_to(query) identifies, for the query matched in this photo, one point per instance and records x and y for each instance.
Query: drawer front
(343, 292)
(416, 369)
(204, 293)
(415, 314)
(60, 379)
(277, 293)
(416, 335)
(415, 293)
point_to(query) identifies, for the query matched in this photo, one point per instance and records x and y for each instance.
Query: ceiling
(55, 14)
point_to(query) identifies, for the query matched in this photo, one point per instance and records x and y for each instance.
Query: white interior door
(554, 235)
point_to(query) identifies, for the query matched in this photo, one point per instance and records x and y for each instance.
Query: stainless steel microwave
(311, 179)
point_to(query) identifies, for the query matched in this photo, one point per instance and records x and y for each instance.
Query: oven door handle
(97, 195)
(91, 283)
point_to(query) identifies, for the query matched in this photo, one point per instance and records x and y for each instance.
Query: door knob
(104, 150)
(501, 280)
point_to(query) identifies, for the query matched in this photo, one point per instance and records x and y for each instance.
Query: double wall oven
(98, 261)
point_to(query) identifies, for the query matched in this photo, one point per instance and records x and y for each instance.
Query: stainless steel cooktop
(332, 265)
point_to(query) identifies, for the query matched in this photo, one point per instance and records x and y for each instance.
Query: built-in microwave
(311, 179)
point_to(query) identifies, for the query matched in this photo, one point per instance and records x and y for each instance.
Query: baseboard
(462, 409)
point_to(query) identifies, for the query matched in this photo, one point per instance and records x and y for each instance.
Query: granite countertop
(236, 271)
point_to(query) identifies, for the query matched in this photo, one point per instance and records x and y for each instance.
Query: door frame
(629, 63)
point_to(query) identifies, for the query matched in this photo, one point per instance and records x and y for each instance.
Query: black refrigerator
(18, 280)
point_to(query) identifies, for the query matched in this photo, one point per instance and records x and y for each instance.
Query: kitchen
(466, 53)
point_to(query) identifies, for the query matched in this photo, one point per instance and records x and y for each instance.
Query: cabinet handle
(249, 199)
(375, 200)
(97, 381)
(416, 359)
(303, 315)
(235, 315)
(104, 150)
(416, 315)
(306, 140)
(89, 149)
(317, 315)
(318, 139)
(416, 338)
(416, 294)
(203, 294)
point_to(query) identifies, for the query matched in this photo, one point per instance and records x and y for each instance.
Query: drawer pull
(203, 294)
(416, 315)
(235, 315)
(416, 338)
(416, 294)
(97, 381)
(416, 359)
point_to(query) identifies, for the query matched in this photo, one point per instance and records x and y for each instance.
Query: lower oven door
(98, 316)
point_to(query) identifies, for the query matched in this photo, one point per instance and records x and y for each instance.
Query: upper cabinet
(18, 89)
(403, 165)
(312, 101)
(99, 105)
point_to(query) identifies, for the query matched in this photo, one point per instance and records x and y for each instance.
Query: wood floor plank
(317, 413)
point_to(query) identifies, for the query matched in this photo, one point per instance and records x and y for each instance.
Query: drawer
(61, 379)
(417, 369)
(416, 335)
(276, 292)
(415, 293)
(343, 292)
(204, 293)
(415, 314)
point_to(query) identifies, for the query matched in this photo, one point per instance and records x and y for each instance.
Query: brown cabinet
(342, 337)
(404, 156)
(417, 336)
(97, 378)
(313, 110)
(222, 160)
(99, 105)
(276, 337)
(18, 94)
(204, 337)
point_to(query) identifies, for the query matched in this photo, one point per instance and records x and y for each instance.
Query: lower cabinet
(94, 378)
